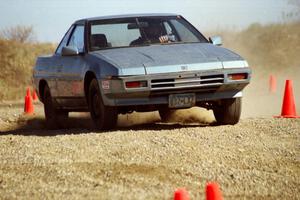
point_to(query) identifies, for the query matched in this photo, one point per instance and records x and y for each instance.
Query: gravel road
(259, 158)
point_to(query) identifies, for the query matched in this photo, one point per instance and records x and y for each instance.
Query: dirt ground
(259, 158)
(145, 159)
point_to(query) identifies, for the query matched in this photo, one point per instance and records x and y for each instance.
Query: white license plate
(182, 100)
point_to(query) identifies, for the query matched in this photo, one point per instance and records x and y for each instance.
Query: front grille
(205, 81)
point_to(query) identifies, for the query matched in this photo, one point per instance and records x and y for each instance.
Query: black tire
(54, 117)
(104, 117)
(228, 112)
(165, 114)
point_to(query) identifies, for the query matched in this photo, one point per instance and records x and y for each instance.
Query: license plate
(182, 100)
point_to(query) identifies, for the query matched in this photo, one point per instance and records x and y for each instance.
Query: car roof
(82, 21)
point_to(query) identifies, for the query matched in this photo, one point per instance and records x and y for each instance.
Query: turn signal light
(136, 84)
(235, 77)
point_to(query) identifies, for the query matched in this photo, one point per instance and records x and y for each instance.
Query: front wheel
(228, 111)
(104, 117)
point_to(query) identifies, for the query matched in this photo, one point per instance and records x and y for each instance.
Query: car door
(58, 63)
(70, 82)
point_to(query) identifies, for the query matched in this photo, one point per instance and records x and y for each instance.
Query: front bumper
(208, 85)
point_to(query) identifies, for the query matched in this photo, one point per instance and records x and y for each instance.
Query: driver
(153, 33)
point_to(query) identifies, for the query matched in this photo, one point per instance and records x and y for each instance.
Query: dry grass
(17, 60)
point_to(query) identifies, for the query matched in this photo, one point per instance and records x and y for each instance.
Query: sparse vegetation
(21, 34)
(17, 57)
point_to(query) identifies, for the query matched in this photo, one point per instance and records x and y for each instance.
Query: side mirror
(69, 51)
(216, 40)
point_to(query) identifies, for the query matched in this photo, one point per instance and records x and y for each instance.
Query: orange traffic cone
(213, 192)
(181, 194)
(288, 109)
(34, 95)
(272, 84)
(28, 106)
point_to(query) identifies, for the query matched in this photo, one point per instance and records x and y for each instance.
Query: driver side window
(77, 38)
(64, 41)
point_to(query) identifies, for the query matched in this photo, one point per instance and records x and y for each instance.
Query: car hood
(169, 58)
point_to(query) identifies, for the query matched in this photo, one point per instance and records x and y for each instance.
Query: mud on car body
(147, 62)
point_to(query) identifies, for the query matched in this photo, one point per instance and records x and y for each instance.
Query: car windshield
(141, 31)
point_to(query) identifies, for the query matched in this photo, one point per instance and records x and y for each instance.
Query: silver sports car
(120, 64)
